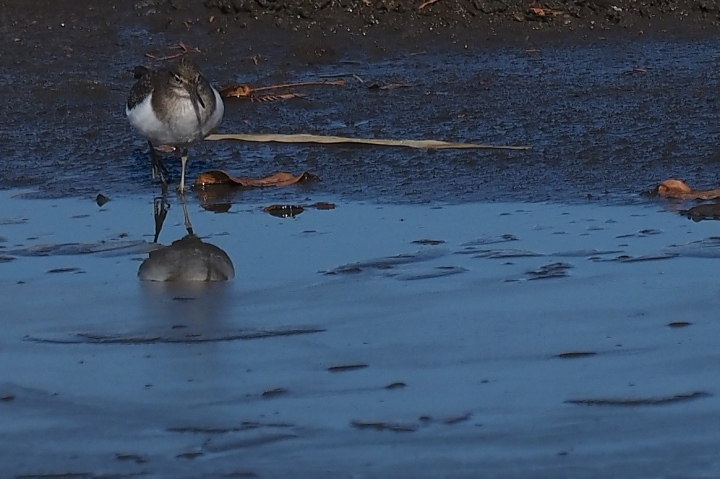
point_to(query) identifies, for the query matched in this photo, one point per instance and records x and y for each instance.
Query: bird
(173, 107)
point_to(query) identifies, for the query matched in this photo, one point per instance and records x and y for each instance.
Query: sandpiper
(174, 107)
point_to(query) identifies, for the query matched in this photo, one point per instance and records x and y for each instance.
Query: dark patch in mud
(65, 270)
(396, 385)
(552, 270)
(430, 242)
(168, 337)
(638, 259)
(247, 434)
(216, 444)
(106, 248)
(385, 426)
(679, 324)
(437, 272)
(189, 455)
(78, 475)
(136, 458)
(641, 234)
(650, 401)
(388, 262)
(349, 367)
(422, 422)
(486, 240)
(271, 393)
(503, 253)
(707, 211)
(244, 426)
(705, 248)
(548, 271)
(457, 419)
(576, 355)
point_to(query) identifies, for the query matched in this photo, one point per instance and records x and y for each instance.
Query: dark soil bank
(452, 17)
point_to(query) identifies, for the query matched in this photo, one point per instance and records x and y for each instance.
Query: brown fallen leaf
(680, 190)
(236, 91)
(219, 177)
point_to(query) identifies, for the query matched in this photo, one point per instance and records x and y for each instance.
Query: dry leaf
(218, 177)
(236, 91)
(322, 139)
(680, 190)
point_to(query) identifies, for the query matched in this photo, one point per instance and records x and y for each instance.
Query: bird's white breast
(182, 127)
(143, 119)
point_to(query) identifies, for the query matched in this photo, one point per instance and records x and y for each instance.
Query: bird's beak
(195, 95)
(199, 99)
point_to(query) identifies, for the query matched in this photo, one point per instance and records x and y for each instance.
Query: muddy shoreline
(598, 102)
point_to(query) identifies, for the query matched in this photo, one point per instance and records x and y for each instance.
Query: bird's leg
(183, 159)
(160, 210)
(188, 225)
(156, 166)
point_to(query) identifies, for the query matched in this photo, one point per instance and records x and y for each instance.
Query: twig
(245, 91)
(282, 96)
(428, 2)
(306, 138)
(185, 50)
(305, 83)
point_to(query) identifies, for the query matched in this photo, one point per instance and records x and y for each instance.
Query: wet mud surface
(608, 114)
(367, 340)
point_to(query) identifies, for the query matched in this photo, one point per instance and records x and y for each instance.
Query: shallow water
(372, 340)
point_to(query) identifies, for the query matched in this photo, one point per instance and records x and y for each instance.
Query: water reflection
(188, 259)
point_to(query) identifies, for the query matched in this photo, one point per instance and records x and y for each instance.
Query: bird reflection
(188, 259)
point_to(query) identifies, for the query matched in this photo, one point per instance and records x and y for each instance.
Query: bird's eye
(177, 79)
